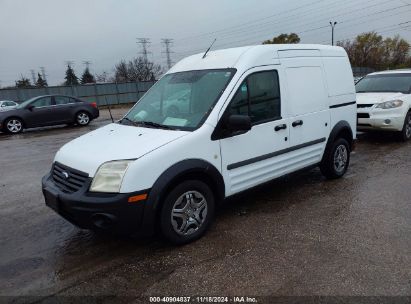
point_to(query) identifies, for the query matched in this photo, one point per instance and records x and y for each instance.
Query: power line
(268, 25)
(310, 29)
(388, 28)
(167, 43)
(250, 22)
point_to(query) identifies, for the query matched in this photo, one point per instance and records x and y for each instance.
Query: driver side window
(258, 97)
(42, 102)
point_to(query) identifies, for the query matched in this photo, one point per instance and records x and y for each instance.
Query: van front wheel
(187, 212)
(336, 159)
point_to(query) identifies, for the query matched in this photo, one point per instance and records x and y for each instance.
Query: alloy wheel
(83, 118)
(340, 158)
(189, 213)
(14, 126)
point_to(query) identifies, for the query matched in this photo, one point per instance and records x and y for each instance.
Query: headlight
(110, 176)
(390, 104)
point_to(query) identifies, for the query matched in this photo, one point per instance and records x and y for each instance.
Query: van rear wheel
(336, 159)
(187, 212)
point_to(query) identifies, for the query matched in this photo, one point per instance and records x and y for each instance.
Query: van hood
(373, 98)
(113, 142)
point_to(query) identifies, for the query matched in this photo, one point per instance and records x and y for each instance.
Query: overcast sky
(49, 32)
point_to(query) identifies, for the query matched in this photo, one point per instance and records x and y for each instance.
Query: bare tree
(137, 69)
(102, 77)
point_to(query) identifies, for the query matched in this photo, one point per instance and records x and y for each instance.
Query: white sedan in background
(384, 102)
(7, 105)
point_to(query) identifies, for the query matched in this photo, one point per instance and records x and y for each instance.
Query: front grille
(364, 105)
(363, 115)
(68, 179)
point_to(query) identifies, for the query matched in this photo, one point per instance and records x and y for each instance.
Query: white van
(244, 117)
(384, 102)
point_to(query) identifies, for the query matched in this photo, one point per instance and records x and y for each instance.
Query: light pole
(333, 24)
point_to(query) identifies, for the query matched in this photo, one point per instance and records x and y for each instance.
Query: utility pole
(167, 43)
(144, 42)
(333, 24)
(33, 77)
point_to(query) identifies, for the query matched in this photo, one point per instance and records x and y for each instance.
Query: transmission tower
(43, 73)
(167, 44)
(69, 63)
(87, 63)
(144, 42)
(33, 76)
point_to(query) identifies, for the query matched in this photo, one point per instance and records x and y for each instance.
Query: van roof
(249, 56)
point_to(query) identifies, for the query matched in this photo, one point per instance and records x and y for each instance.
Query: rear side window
(258, 97)
(62, 100)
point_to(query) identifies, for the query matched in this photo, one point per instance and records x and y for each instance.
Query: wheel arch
(14, 116)
(341, 130)
(195, 169)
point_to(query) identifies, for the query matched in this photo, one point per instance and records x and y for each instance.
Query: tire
(13, 125)
(336, 159)
(405, 134)
(83, 118)
(193, 218)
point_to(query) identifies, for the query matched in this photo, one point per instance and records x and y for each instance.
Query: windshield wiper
(153, 124)
(150, 124)
(127, 119)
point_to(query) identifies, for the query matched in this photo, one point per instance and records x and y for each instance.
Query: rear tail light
(94, 104)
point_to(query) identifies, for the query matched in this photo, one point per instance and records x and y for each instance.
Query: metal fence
(104, 93)
(361, 71)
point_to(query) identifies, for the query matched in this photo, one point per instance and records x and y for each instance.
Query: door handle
(280, 127)
(297, 123)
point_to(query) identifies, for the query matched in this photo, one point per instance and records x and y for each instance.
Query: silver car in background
(7, 105)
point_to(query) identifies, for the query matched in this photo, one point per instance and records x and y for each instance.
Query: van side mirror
(30, 107)
(236, 123)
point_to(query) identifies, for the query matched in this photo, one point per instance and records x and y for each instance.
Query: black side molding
(273, 154)
(343, 105)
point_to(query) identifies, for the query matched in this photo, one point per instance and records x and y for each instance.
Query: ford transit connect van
(240, 117)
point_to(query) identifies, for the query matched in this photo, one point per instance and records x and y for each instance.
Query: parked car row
(47, 110)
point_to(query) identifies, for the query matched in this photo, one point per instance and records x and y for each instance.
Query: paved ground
(299, 235)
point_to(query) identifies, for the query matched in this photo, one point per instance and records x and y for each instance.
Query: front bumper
(380, 119)
(96, 211)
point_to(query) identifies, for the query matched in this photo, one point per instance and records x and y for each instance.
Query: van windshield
(399, 83)
(180, 101)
